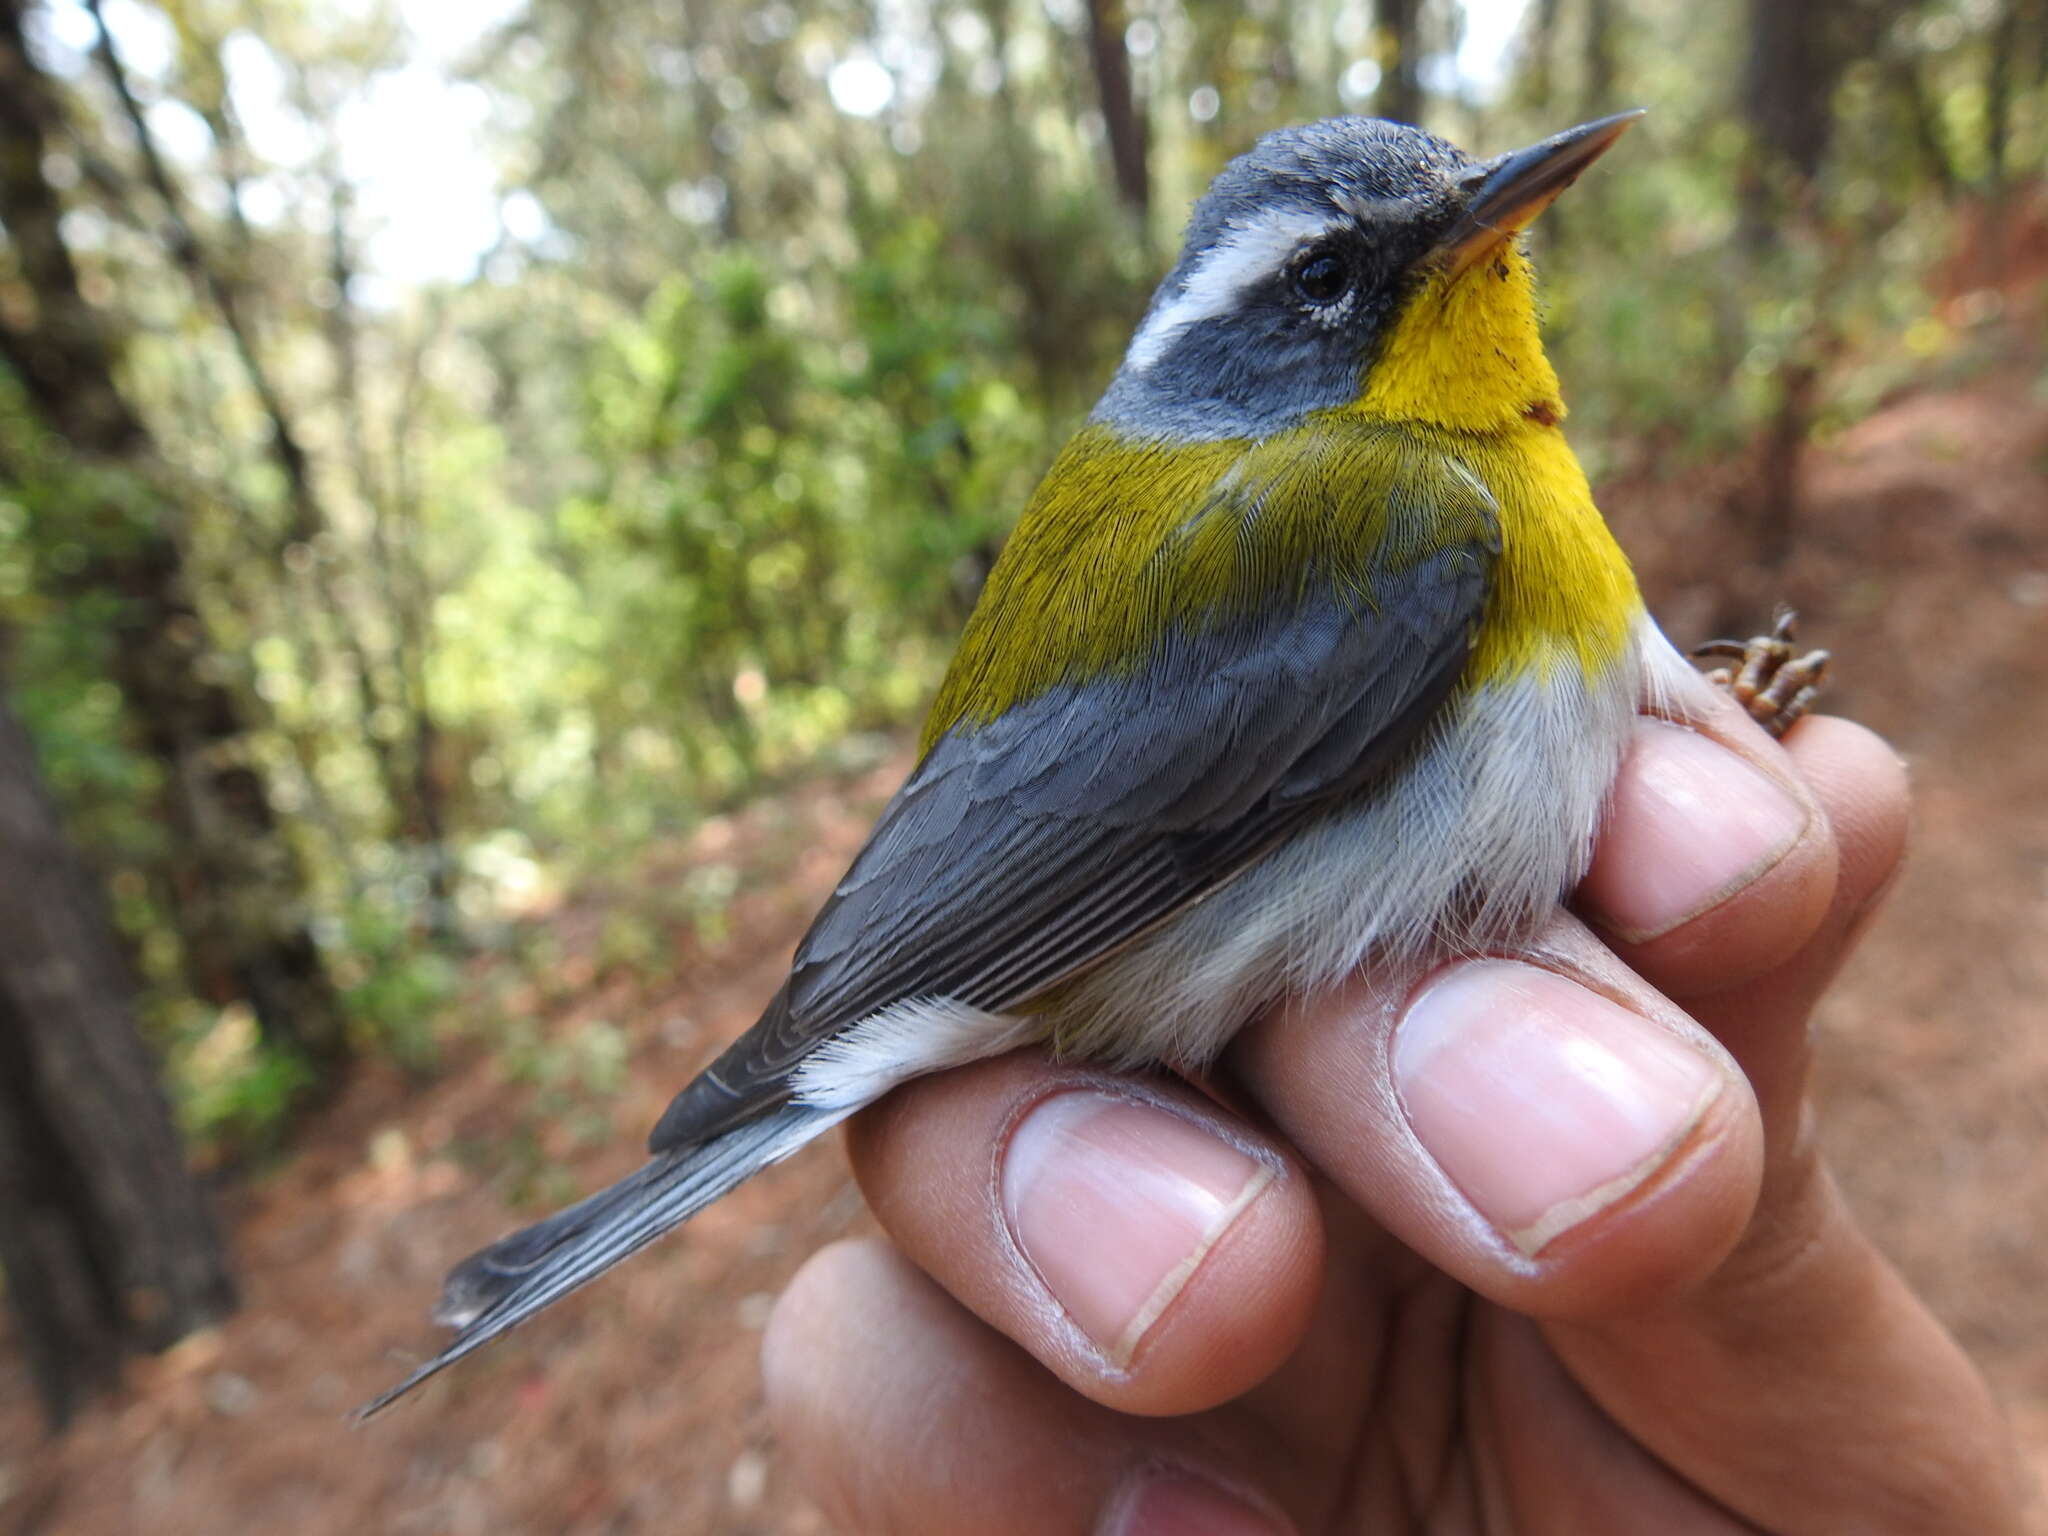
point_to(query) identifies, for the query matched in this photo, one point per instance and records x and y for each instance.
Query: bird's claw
(1774, 682)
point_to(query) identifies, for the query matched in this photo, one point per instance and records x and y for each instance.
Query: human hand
(1539, 1244)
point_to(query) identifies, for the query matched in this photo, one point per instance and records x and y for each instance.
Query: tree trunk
(1542, 54)
(1998, 94)
(1774, 511)
(1599, 72)
(1122, 123)
(1788, 81)
(1902, 75)
(1400, 56)
(240, 904)
(105, 1237)
(1795, 58)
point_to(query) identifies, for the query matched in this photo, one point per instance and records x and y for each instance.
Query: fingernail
(1174, 1504)
(1116, 1203)
(1544, 1102)
(1691, 825)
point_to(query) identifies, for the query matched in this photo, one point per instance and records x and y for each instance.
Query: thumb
(1802, 1383)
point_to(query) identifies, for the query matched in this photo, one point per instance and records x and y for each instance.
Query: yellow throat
(1464, 364)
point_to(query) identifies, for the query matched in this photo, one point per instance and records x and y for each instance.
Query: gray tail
(498, 1288)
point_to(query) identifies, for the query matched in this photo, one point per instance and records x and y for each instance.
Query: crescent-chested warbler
(1310, 648)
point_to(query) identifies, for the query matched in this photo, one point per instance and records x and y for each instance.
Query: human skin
(1536, 1243)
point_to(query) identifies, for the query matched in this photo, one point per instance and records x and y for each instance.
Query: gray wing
(1022, 851)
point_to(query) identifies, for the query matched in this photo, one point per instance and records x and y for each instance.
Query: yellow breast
(1562, 589)
(1464, 365)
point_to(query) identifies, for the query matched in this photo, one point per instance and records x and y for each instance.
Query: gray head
(1298, 257)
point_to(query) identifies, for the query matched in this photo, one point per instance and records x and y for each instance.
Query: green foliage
(688, 488)
(230, 1091)
(395, 984)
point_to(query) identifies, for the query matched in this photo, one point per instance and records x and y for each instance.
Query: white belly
(1476, 837)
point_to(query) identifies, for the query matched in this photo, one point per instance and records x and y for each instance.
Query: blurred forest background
(486, 489)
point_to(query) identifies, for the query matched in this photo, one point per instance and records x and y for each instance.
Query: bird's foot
(1774, 681)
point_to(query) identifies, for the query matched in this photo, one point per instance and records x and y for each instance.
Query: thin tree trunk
(1122, 123)
(1902, 73)
(1789, 79)
(242, 916)
(106, 1239)
(1542, 54)
(1795, 58)
(181, 241)
(214, 283)
(1400, 56)
(1597, 82)
(1774, 510)
(1998, 93)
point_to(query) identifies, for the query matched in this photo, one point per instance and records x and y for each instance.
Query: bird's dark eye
(1322, 277)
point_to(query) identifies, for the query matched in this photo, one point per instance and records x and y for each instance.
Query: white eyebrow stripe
(1247, 253)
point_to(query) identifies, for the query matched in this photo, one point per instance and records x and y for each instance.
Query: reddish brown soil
(1922, 559)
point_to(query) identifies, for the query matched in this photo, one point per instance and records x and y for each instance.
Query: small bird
(1310, 648)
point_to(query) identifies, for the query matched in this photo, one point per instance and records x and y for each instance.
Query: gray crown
(1228, 347)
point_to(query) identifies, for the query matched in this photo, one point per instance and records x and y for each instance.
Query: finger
(1564, 1139)
(1790, 1373)
(1553, 1131)
(1805, 1386)
(1717, 861)
(1882, 1414)
(1751, 966)
(1561, 1462)
(1157, 1253)
(1546, 1129)
(904, 1415)
(1862, 788)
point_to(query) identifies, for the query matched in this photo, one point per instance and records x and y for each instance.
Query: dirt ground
(1922, 559)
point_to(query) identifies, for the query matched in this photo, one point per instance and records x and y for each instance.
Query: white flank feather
(903, 1041)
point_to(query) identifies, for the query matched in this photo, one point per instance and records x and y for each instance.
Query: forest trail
(1921, 560)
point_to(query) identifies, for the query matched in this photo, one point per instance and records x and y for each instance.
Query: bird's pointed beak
(1506, 194)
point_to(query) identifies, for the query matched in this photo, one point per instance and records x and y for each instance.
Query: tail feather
(501, 1286)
